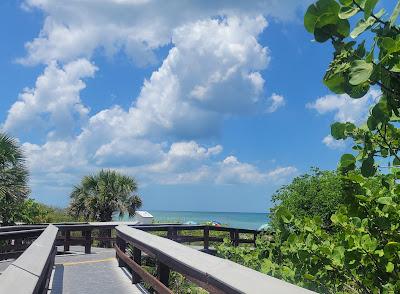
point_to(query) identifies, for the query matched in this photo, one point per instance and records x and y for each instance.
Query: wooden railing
(30, 273)
(174, 232)
(87, 234)
(14, 240)
(214, 274)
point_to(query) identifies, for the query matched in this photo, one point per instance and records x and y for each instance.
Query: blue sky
(210, 106)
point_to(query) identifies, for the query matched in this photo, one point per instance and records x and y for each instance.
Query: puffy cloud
(232, 171)
(54, 105)
(122, 152)
(345, 108)
(276, 101)
(332, 143)
(212, 71)
(183, 157)
(202, 79)
(76, 28)
(62, 163)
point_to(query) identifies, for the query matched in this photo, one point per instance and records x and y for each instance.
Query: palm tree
(14, 179)
(98, 196)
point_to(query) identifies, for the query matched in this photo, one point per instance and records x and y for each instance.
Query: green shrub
(360, 252)
(314, 194)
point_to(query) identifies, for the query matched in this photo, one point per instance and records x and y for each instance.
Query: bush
(33, 212)
(360, 253)
(315, 194)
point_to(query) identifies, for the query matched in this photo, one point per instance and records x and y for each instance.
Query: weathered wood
(216, 239)
(10, 255)
(163, 273)
(30, 273)
(137, 257)
(121, 243)
(177, 232)
(188, 239)
(232, 237)
(21, 228)
(206, 234)
(212, 272)
(20, 234)
(88, 241)
(67, 239)
(147, 277)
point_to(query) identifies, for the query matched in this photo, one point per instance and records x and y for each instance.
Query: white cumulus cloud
(345, 108)
(276, 101)
(76, 28)
(212, 72)
(231, 170)
(54, 105)
(332, 143)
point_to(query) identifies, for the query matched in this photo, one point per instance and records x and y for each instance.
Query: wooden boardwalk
(86, 269)
(90, 273)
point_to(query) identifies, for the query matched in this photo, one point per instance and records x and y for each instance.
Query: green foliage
(316, 194)
(360, 251)
(98, 196)
(358, 254)
(13, 179)
(32, 212)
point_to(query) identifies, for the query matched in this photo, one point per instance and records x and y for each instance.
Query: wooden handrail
(30, 273)
(21, 228)
(209, 272)
(172, 231)
(20, 234)
(146, 276)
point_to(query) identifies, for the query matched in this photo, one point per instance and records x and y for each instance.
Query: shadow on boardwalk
(90, 273)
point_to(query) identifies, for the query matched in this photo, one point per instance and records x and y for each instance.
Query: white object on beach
(143, 217)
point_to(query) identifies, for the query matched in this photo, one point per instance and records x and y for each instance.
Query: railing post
(17, 244)
(206, 237)
(172, 233)
(137, 257)
(88, 241)
(236, 243)
(234, 237)
(255, 238)
(163, 273)
(121, 245)
(67, 238)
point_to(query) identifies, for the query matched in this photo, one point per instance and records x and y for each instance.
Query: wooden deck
(97, 272)
(81, 268)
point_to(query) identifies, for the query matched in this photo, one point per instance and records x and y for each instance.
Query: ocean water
(242, 220)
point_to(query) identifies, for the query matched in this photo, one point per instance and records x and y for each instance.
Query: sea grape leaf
(328, 8)
(369, 7)
(361, 26)
(360, 72)
(337, 130)
(367, 168)
(347, 160)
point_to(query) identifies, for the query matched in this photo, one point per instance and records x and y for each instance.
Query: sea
(243, 220)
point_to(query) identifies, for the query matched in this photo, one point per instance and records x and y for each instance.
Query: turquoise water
(242, 220)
